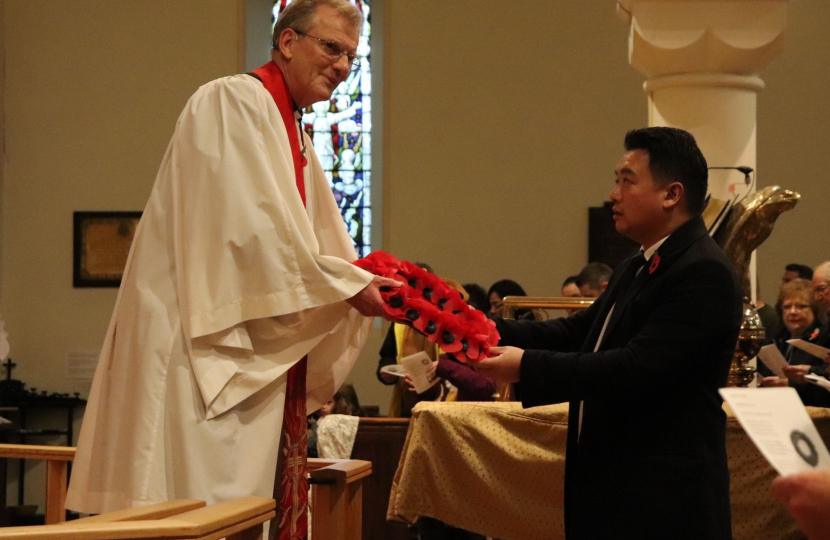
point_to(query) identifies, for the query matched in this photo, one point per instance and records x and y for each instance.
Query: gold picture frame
(102, 243)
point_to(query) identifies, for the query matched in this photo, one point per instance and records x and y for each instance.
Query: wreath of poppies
(433, 308)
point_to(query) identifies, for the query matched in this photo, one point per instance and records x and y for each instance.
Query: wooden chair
(336, 495)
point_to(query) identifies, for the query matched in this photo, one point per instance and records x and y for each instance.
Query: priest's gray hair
(299, 15)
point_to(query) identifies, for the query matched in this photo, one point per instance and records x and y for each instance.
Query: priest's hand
(807, 496)
(796, 373)
(368, 302)
(504, 367)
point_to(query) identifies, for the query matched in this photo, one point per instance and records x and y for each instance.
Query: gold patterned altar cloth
(498, 470)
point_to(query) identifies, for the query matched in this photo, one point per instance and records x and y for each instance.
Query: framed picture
(102, 243)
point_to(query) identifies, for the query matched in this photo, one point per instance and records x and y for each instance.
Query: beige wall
(2, 131)
(500, 128)
(93, 90)
(794, 143)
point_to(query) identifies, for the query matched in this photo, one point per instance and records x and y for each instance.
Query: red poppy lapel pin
(814, 335)
(655, 262)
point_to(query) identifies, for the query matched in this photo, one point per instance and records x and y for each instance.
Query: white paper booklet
(812, 348)
(778, 424)
(773, 359)
(818, 380)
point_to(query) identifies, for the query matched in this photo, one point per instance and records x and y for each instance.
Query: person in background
(803, 319)
(796, 271)
(820, 283)
(769, 317)
(335, 427)
(570, 289)
(593, 279)
(341, 403)
(478, 296)
(467, 383)
(401, 341)
(821, 294)
(502, 288)
(807, 494)
(344, 402)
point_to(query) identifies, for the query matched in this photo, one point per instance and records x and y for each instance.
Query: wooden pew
(337, 497)
(380, 441)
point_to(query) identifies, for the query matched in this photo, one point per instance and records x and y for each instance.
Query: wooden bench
(336, 495)
(240, 519)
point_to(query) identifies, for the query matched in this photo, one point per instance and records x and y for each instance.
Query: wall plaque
(102, 243)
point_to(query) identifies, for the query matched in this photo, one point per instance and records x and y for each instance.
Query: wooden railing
(336, 497)
(57, 459)
(510, 304)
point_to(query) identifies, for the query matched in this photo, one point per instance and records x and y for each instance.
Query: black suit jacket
(650, 461)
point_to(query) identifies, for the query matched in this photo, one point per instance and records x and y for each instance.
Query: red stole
(292, 511)
(274, 82)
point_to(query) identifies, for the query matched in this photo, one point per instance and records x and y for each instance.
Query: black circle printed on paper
(805, 447)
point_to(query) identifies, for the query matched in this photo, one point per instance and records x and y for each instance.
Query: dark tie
(630, 273)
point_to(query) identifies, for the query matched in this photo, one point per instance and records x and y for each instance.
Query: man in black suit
(646, 454)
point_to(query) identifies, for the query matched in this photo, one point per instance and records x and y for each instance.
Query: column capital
(671, 37)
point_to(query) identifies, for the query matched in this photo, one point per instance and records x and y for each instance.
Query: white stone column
(703, 59)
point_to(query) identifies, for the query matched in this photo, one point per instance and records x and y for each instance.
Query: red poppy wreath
(433, 308)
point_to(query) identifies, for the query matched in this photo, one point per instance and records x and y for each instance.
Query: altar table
(498, 470)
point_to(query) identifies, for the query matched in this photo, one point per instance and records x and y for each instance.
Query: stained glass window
(341, 131)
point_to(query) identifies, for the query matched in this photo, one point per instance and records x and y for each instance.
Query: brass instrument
(748, 224)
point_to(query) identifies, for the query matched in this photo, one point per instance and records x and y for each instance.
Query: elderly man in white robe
(239, 279)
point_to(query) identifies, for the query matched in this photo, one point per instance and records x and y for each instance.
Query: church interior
(496, 126)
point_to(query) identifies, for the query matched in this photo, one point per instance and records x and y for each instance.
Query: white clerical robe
(230, 281)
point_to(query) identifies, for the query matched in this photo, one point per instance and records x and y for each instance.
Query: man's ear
(603, 286)
(674, 194)
(286, 42)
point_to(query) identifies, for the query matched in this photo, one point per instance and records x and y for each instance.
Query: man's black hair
(804, 271)
(594, 275)
(673, 156)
